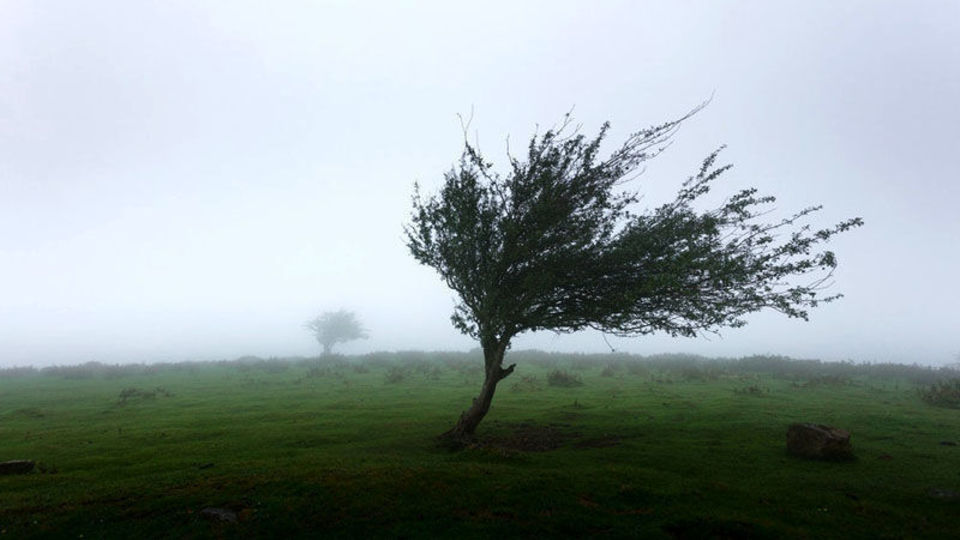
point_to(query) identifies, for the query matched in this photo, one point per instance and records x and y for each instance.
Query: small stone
(817, 441)
(943, 493)
(219, 514)
(17, 466)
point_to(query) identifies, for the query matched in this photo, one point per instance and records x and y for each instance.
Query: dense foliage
(555, 244)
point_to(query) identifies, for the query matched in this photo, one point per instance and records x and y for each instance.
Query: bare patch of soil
(530, 437)
(533, 437)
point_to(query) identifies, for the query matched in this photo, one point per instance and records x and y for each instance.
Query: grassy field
(651, 447)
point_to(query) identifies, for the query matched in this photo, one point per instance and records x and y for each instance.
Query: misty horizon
(194, 182)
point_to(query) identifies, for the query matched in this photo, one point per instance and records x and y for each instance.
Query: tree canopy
(557, 244)
(334, 327)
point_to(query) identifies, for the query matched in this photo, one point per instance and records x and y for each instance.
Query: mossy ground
(346, 449)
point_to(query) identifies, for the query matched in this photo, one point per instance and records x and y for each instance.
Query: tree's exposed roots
(455, 440)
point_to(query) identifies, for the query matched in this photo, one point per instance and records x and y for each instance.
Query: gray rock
(219, 514)
(817, 441)
(17, 466)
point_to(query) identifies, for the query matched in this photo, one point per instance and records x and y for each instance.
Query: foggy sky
(193, 180)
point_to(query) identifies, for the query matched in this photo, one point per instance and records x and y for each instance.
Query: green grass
(652, 448)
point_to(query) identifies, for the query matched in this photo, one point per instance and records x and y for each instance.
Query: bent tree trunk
(494, 372)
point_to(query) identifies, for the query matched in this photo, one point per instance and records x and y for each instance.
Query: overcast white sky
(193, 180)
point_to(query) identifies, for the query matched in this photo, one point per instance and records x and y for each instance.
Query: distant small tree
(555, 244)
(335, 327)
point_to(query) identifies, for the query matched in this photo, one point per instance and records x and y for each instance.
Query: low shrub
(526, 384)
(563, 379)
(944, 393)
(136, 394)
(396, 375)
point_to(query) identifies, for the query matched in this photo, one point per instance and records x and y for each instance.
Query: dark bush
(563, 379)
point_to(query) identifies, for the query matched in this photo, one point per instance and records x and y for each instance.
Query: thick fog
(194, 180)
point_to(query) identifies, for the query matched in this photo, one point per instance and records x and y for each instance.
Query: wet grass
(650, 447)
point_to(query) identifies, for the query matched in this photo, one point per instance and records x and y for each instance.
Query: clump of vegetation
(826, 380)
(47, 468)
(784, 367)
(91, 370)
(320, 371)
(272, 365)
(128, 395)
(563, 379)
(699, 373)
(751, 390)
(434, 373)
(17, 371)
(469, 370)
(396, 375)
(945, 393)
(527, 384)
(659, 377)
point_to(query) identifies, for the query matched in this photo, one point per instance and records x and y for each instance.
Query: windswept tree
(335, 327)
(556, 244)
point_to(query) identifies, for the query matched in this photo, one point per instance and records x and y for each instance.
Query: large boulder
(817, 441)
(17, 466)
